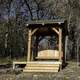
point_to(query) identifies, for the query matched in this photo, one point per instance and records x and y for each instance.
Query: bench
(48, 54)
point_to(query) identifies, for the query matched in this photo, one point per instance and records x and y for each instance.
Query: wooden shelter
(45, 60)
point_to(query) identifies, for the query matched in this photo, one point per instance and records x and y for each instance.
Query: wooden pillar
(29, 46)
(60, 44)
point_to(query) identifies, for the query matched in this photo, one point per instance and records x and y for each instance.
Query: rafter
(34, 31)
(55, 30)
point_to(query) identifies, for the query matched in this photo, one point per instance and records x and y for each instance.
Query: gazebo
(48, 59)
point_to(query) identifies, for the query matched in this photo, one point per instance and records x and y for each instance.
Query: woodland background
(15, 13)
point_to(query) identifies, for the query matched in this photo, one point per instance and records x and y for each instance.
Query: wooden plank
(42, 65)
(39, 65)
(46, 58)
(44, 62)
(44, 68)
(19, 62)
(54, 70)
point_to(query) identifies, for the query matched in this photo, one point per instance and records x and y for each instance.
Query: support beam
(55, 30)
(29, 46)
(34, 31)
(60, 44)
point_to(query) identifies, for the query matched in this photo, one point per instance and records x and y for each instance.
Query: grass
(7, 60)
(20, 59)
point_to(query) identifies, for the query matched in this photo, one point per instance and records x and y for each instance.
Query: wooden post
(60, 44)
(29, 46)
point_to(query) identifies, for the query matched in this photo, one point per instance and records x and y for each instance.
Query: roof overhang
(58, 21)
(51, 23)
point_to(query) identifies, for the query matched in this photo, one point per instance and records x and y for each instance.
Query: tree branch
(29, 9)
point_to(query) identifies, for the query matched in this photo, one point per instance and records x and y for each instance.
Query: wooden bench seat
(48, 54)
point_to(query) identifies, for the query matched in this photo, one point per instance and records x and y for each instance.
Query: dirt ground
(70, 72)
